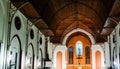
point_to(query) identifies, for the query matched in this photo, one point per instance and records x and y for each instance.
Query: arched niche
(59, 60)
(15, 53)
(62, 49)
(30, 57)
(98, 60)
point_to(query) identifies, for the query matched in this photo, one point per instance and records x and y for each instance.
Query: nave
(59, 34)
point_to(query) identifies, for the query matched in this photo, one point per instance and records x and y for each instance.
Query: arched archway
(79, 44)
(15, 56)
(98, 60)
(30, 56)
(59, 60)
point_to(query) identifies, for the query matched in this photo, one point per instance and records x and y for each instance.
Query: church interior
(59, 34)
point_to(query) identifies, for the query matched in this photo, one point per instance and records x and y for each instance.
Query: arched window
(87, 52)
(78, 48)
(70, 55)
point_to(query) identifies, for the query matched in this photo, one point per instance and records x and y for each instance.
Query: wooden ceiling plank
(19, 0)
(73, 14)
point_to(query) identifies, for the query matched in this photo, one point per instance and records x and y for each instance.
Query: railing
(88, 66)
(77, 66)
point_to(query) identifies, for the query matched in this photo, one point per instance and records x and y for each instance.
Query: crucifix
(79, 57)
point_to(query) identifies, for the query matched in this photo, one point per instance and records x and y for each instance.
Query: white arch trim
(96, 48)
(78, 30)
(15, 47)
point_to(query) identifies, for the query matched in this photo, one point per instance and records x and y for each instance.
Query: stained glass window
(87, 51)
(78, 48)
(70, 55)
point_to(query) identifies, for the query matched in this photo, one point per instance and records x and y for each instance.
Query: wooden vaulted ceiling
(56, 18)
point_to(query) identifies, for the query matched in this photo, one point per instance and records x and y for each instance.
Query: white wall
(34, 41)
(116, 32)
(63, 48)
(118, 44)
(42, 46)
(22, 33)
